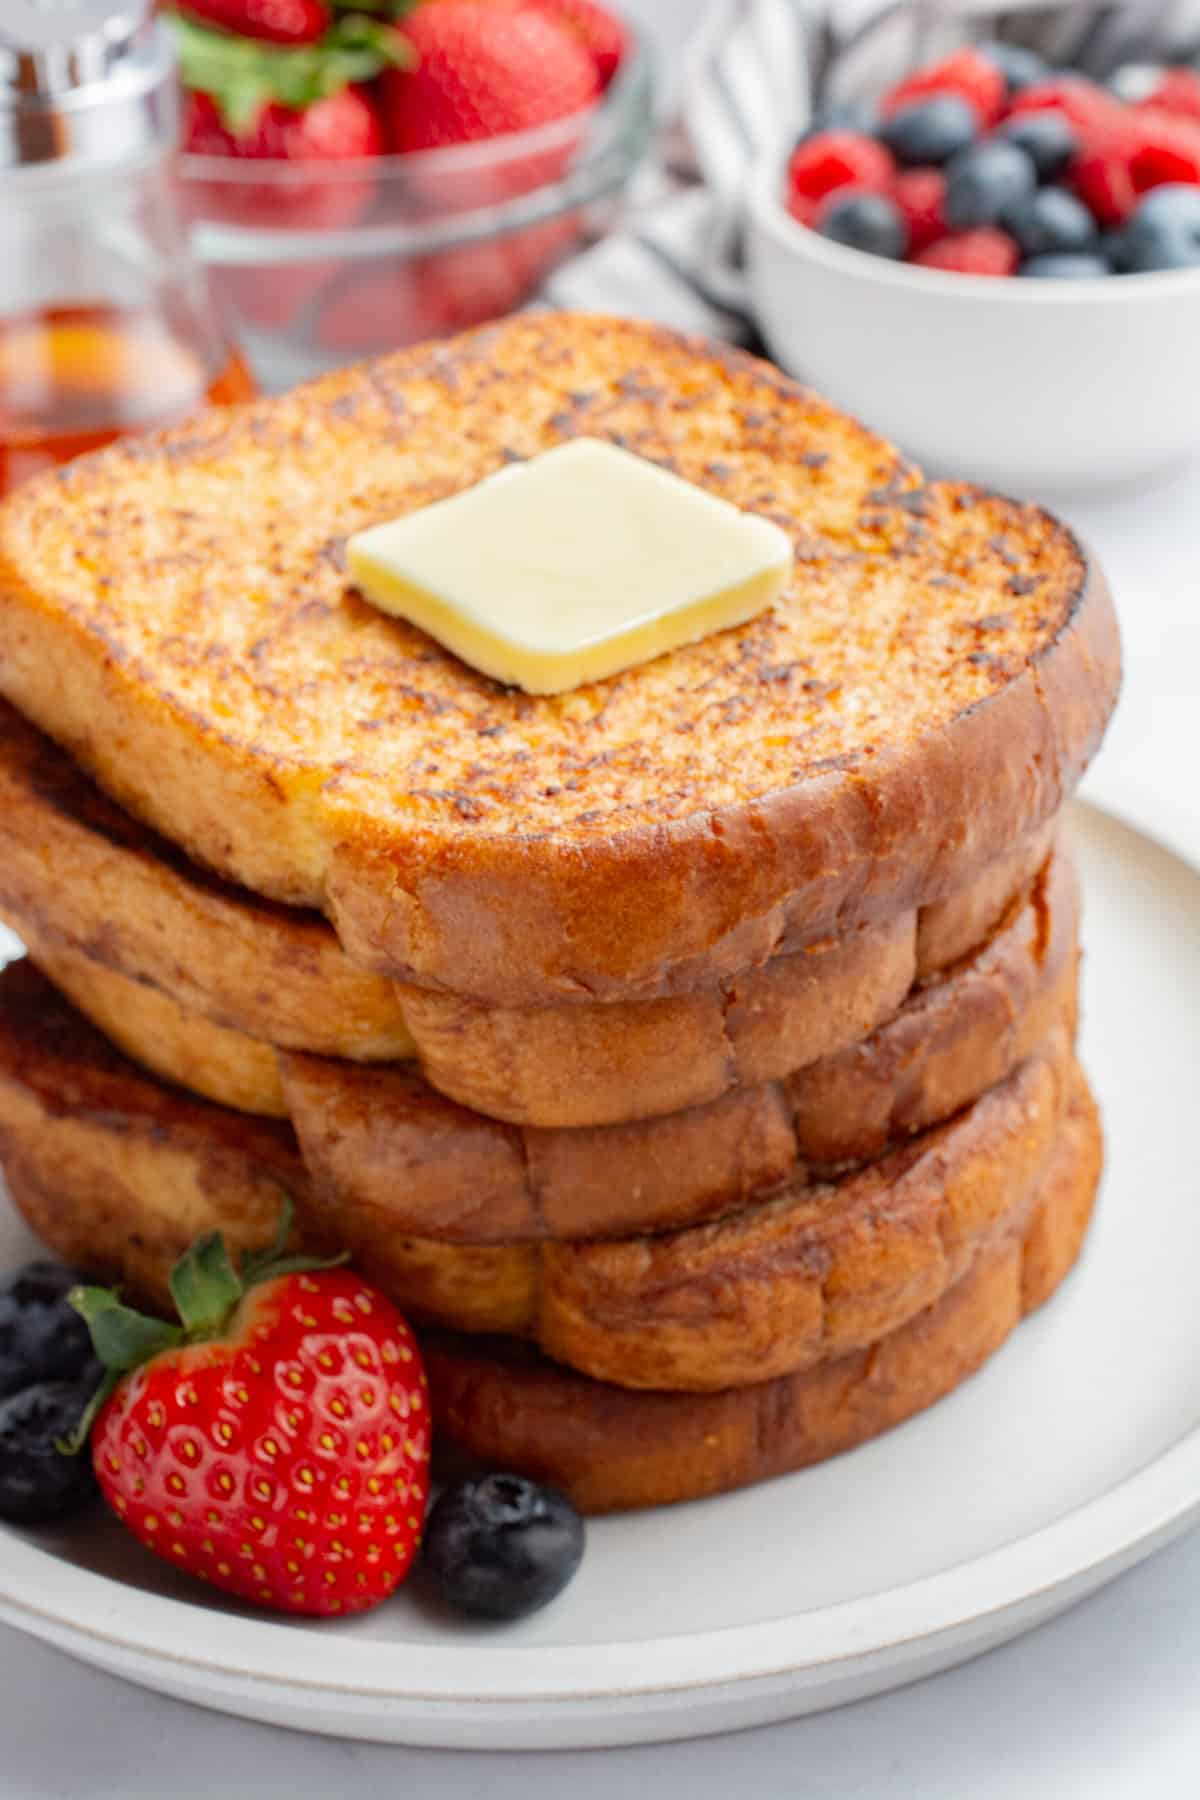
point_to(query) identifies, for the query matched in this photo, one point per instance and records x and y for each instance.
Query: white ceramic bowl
(1031, 386)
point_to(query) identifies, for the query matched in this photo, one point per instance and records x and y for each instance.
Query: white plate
(1074, 1454)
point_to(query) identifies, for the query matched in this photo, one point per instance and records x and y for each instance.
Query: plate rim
(91, 1612)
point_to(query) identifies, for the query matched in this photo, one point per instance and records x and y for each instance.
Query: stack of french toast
(690, 1055)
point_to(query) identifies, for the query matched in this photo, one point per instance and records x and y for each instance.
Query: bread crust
(80, 879)
(182, 1047)
(612, 1450)
(800, 1278)
(88, 1188)
(80, 876)
(175, 611)
(393, 1160)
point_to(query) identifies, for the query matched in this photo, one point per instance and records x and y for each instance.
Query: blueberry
(1066, 266)
(1051, 222)
(930, 131)
(1020, 68)
(501, 1546)
(41, 1337)
(869, 222)
(1164, 232)
(1048, 139)
(985, 181)
(38, 1483)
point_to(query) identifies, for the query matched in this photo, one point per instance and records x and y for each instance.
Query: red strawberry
(277, 1445)
(601, 31)
(482, 71)
(982, 252)
(341, 128)
(830, 160)
(966, 73)
(921, 194)
(1080, 100)
(273, 21)
(1178, 91)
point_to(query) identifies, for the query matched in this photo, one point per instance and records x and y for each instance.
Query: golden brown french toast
(394, 1158)
(176, 612)
(91, 890)
(499, 1404)
(794, 1280)
(78, 873)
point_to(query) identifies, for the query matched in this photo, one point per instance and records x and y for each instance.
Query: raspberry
(1079, 100)
(837, 159)
(804, 210)
(983, 252)
(920, 194)
(1164, 147)
(966, 73)
(1138, 149)
(1178, 92)
(1102, 174)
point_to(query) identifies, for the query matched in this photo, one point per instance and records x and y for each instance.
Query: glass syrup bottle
(106, 324)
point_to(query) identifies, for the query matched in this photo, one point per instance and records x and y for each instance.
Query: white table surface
(1105, 1702)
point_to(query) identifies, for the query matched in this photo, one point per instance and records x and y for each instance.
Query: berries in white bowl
(1066, 361)
(989, 163)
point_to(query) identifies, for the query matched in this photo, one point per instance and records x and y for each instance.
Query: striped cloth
(753, 75)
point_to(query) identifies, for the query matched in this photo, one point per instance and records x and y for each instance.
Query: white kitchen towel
(755, 73)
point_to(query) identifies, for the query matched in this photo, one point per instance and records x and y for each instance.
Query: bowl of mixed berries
(997, 262)
(362, 174)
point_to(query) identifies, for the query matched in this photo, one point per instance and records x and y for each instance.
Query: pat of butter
(572, 566)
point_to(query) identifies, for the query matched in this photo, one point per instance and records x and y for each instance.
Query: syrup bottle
(106, 324)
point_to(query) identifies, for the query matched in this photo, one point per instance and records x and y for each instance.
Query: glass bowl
(318, 264)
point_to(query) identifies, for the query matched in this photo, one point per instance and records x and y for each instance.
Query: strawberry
(602, 32)
(340, 128)
(831, 160)
(966, 73)
(271, 21)
(482, 71)
(242, 78)
(985, 251)
(276, 1444)
(1081, 101)
(921, 195)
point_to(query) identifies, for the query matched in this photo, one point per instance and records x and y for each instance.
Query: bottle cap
(84, 84)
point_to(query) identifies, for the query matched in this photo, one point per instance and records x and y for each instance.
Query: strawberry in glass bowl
(362, 176)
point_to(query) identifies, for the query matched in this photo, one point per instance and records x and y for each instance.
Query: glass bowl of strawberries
(992, 252)
(364, 174)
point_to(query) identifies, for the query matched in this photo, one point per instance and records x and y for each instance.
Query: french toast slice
(89, 889)
(499, 1404)
(801, 1277)
(575, 1066)
(393, 1157)
(79, 874)
(176, 611)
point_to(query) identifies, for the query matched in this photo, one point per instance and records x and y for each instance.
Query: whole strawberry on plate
(275, 1442)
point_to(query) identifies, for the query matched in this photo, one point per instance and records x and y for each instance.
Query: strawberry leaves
(244, 75)
(206, 1289)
